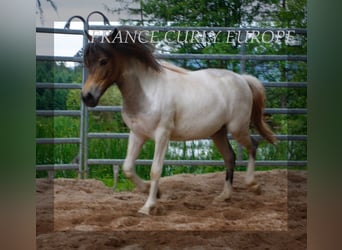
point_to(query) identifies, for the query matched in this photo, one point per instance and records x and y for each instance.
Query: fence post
(83, 163)
(242, 71)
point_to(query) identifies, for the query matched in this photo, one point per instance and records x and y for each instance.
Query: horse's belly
(200, 127)
(192, 134)
(196, 119)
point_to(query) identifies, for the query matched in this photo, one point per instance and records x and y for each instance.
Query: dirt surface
(84, 214)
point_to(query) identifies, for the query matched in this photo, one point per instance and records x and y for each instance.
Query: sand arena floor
(85, 214)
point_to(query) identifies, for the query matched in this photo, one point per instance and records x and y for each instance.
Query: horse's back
(226, 85)
(206, 100)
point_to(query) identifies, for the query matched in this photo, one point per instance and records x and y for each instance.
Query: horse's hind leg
(222, 144)
(250, 180)
(244, 138)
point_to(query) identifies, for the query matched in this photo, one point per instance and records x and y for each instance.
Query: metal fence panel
(82, 165)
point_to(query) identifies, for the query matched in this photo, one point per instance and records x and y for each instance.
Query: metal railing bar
(50, 85)
(167, 28)
(193, 56)
(41, 85)
(285, 111)
(285, 84)
(58, 112)
(59, 31)
(108, 135)
(215, 29)
(59, 58)
(266, 111)
(106, 109)
(232, 57)
(58, 140)
(196, 162)
(284, 137)
(125, 136)
(54, 167)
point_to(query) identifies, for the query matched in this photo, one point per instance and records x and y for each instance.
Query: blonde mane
(173, 67)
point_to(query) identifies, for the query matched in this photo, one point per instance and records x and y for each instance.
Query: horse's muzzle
(89, 100)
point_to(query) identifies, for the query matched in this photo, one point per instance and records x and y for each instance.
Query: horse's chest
(140, 124)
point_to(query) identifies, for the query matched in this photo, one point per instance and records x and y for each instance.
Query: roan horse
(163, 102)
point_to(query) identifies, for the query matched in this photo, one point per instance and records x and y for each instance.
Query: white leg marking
(249, 179)
(152, 198)
(226, 192)
(161, 142)
(135, 144)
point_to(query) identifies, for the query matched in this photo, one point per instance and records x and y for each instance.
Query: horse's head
(106, 59)
(104, 68)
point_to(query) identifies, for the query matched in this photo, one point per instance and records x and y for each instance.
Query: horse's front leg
(161, 142)
(135, 144)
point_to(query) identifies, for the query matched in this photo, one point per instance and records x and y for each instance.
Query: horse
(164, 102)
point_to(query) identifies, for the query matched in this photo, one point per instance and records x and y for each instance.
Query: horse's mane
(121, 40)
(173, 67)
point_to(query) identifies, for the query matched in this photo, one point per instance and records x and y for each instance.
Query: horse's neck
(133, 88)
(132, 95)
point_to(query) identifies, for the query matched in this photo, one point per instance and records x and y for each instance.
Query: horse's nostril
(87, 97)
(89, 100)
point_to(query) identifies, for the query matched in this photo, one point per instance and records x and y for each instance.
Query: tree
(40, 11)
(130, 8)
(51, 72)
(222, 13)
(292, 14)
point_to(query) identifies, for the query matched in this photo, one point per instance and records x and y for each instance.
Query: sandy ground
(84, 214)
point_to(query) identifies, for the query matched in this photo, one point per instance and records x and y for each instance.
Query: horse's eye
(103, 62)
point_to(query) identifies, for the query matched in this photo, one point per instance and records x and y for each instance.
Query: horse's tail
(257, 117)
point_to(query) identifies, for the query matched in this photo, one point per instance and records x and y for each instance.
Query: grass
(124, 184)
(65, 127)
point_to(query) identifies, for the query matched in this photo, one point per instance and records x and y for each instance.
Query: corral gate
(82, 165)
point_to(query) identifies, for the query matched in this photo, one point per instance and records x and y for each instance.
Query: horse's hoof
(255, 188)
(144, 210)
(222, 198)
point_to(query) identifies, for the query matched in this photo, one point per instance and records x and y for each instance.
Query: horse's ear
(113, 34)
(90, 38)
